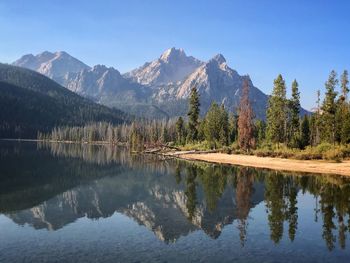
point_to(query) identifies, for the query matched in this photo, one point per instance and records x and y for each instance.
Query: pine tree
(164, 135)
(180, 131)
(260, 132)
(277, 112)
(344, 82)
(345, 129)
(343, 116)
(201, 130)
(246, 138)
(305, 132)
(193, 115)
(312, 124)
(329, 109)
(294, 109)
(317, 122)
(213, 125)
(223, 136)
(232, 128)
(340, 113)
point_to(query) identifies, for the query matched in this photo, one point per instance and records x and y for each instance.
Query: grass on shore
(324, 151)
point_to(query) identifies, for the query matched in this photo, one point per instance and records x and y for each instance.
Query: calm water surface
(73, 203)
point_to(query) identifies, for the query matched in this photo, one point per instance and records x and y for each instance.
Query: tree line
(330, 122)
(285, 125)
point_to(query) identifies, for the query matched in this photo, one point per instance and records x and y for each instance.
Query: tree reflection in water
(171, 197)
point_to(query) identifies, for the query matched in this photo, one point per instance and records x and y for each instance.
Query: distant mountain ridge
(57, 66)
(158, 89)
(31, 102)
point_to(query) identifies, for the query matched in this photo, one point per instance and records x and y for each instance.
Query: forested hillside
(31, 102)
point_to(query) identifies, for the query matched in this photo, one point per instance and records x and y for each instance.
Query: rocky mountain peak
(173, 54)
(219, 58)
(172, 66)
(99, 69)
(44, 56)
(58, 65)
(163, 85)
(62, 54)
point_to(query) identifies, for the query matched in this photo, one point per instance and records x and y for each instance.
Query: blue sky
(299, 39)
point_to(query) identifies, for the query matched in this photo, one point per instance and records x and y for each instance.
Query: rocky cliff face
(158, 89)
(172, 66)
(58, 66)
(106, 85)
(216, 81)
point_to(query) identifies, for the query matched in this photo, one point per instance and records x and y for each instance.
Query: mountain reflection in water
(55, 184)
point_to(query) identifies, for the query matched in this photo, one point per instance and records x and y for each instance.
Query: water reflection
(49, 186)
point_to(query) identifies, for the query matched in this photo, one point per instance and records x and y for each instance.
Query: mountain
(216, 81)
(107, 86)
(57, 66)
(102, 83)
(158, 89)
(31, 102)
(172, 66)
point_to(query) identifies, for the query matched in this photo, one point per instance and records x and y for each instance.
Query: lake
(84, 203)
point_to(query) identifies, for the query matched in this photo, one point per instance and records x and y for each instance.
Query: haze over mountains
(56, 66)
(32, 102)
(157, 89)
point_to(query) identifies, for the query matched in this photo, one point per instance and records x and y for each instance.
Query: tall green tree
(344, 82)
(201, 130)
(329, 109)
(224, 126)
(260, 132)
(164, 135)
(232, 127)
(315, 122)
(180, 131)
(313, 129)
(345, 128)
(213, 125)
(193, 115)
(277, 112)
(305, 132)
(294, 110)
(340, 113)
(344, 111)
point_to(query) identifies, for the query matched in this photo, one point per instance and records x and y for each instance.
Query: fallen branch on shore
(152, 150)
(167, 150)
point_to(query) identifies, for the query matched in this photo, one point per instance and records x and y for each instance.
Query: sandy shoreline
(313, 166)
(281, 164)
